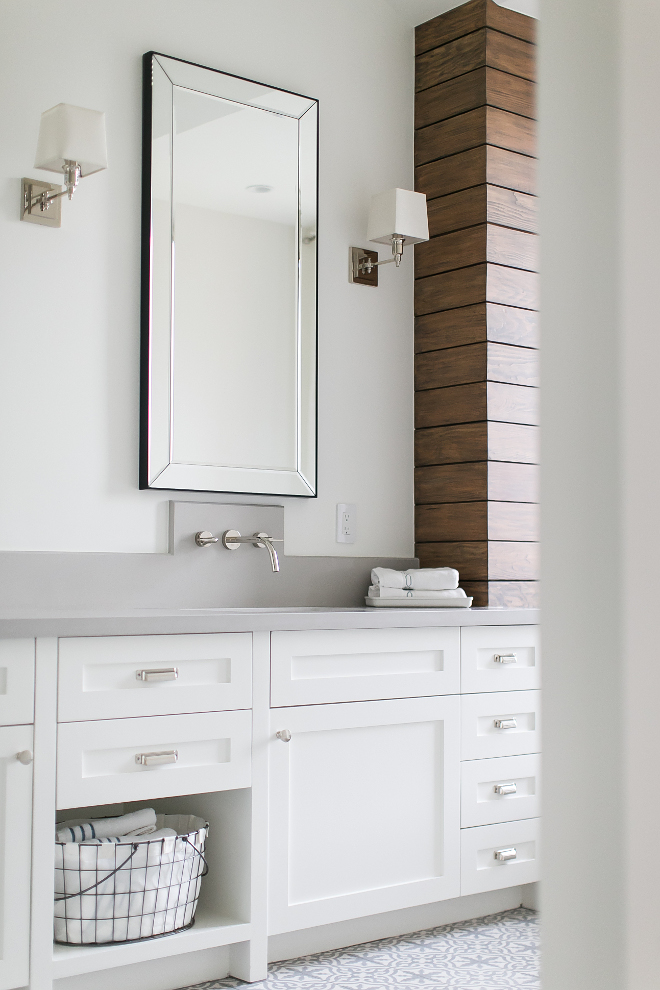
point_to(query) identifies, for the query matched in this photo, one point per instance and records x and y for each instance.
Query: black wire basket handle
(200, 854)
(98, 883)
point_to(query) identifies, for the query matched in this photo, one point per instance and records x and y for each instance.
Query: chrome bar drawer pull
(157, 759)
(504, 855)
(505, 723)
(158, 674)
(505, 788)
(505, 658)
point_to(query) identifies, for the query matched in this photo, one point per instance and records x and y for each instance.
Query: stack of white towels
(424, 586)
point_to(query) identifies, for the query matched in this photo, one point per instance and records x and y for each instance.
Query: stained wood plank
(486, 164)
(485, 242)
(452, 521)
(502, 594)
(513, 594)
(511, 442)
(452, 444)
(478, 441)
(459, 404)
(481, 560)
(470, 17)
(510, 54)
(470, 559)
(511, 482)
(512, 521)
(451, 290)
(450, 60)
(452, 483)
(456, 366)
(484, 125)
(512, 403)
(510, 287)
(474, 89)
(512, 365)
(473, 206)
(475, 324)
(479, 481)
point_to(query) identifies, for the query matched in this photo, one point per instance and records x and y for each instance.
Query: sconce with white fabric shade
(398, 213)
(397, 217)
(71, 141)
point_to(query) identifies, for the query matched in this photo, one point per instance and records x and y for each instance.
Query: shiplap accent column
(476, 376)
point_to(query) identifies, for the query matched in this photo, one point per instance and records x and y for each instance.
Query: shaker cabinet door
(364, 808)
(15, 851)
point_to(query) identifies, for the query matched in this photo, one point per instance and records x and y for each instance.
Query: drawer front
(500, 790)
(500, 658)
(112, 761)
(16, 681)
(335, 665)
(481, 869)
(130, 676)
(500, 724)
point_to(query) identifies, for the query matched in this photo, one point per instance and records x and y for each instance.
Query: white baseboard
(291, 945)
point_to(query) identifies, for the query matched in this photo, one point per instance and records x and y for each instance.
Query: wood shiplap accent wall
(476, 292)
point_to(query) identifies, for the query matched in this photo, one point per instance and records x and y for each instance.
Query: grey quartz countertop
(135, 622)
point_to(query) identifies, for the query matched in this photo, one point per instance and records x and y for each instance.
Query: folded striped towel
(140, 822)
(380, 592)
(161, 833)
(416, 579)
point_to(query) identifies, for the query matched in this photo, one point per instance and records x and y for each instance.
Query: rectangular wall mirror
(229, 277)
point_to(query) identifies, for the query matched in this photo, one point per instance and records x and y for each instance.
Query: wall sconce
(72, 141)
(397, 217)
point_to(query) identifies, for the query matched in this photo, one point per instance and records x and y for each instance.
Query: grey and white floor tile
(500, 952)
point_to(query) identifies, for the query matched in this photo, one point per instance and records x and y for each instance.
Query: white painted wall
(600, 204)
(69, 322)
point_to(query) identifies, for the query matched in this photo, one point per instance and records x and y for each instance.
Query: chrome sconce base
(41, 201)
(364, 264)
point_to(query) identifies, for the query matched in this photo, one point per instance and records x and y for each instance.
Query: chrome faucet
(232, 540)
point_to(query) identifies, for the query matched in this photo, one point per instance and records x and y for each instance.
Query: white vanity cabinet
(364, 802)
(353, 766)
(16, 742)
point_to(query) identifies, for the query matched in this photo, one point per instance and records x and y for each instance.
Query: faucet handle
(205, 539)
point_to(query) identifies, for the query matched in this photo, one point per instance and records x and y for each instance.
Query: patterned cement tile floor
(499, 952)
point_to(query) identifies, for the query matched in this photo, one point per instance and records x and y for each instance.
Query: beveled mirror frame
(158, 469)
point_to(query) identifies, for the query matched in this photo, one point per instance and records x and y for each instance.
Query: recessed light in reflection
(259, 188)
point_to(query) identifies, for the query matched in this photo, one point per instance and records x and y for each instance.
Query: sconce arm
(366, 264)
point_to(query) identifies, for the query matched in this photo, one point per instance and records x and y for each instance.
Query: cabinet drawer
(97, 761)
(129, 676)
(500, 790)
(482, 870)
(500, 724)
(16, 681)
(335, 665)
(500, 658)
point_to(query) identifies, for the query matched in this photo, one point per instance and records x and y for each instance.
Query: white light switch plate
(346, 522)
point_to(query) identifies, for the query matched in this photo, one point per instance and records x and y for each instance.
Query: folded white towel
(380, 592)
(161, 833)
(419, 579)
(140, 822)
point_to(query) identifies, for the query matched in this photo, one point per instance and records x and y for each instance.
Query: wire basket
(132, 890)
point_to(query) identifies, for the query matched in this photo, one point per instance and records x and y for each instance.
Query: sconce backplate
(357, 255)
(31, 190)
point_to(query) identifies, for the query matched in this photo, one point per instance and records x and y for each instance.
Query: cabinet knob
(504, 855)
(284, 735)
(505, 788)
(24, 757)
